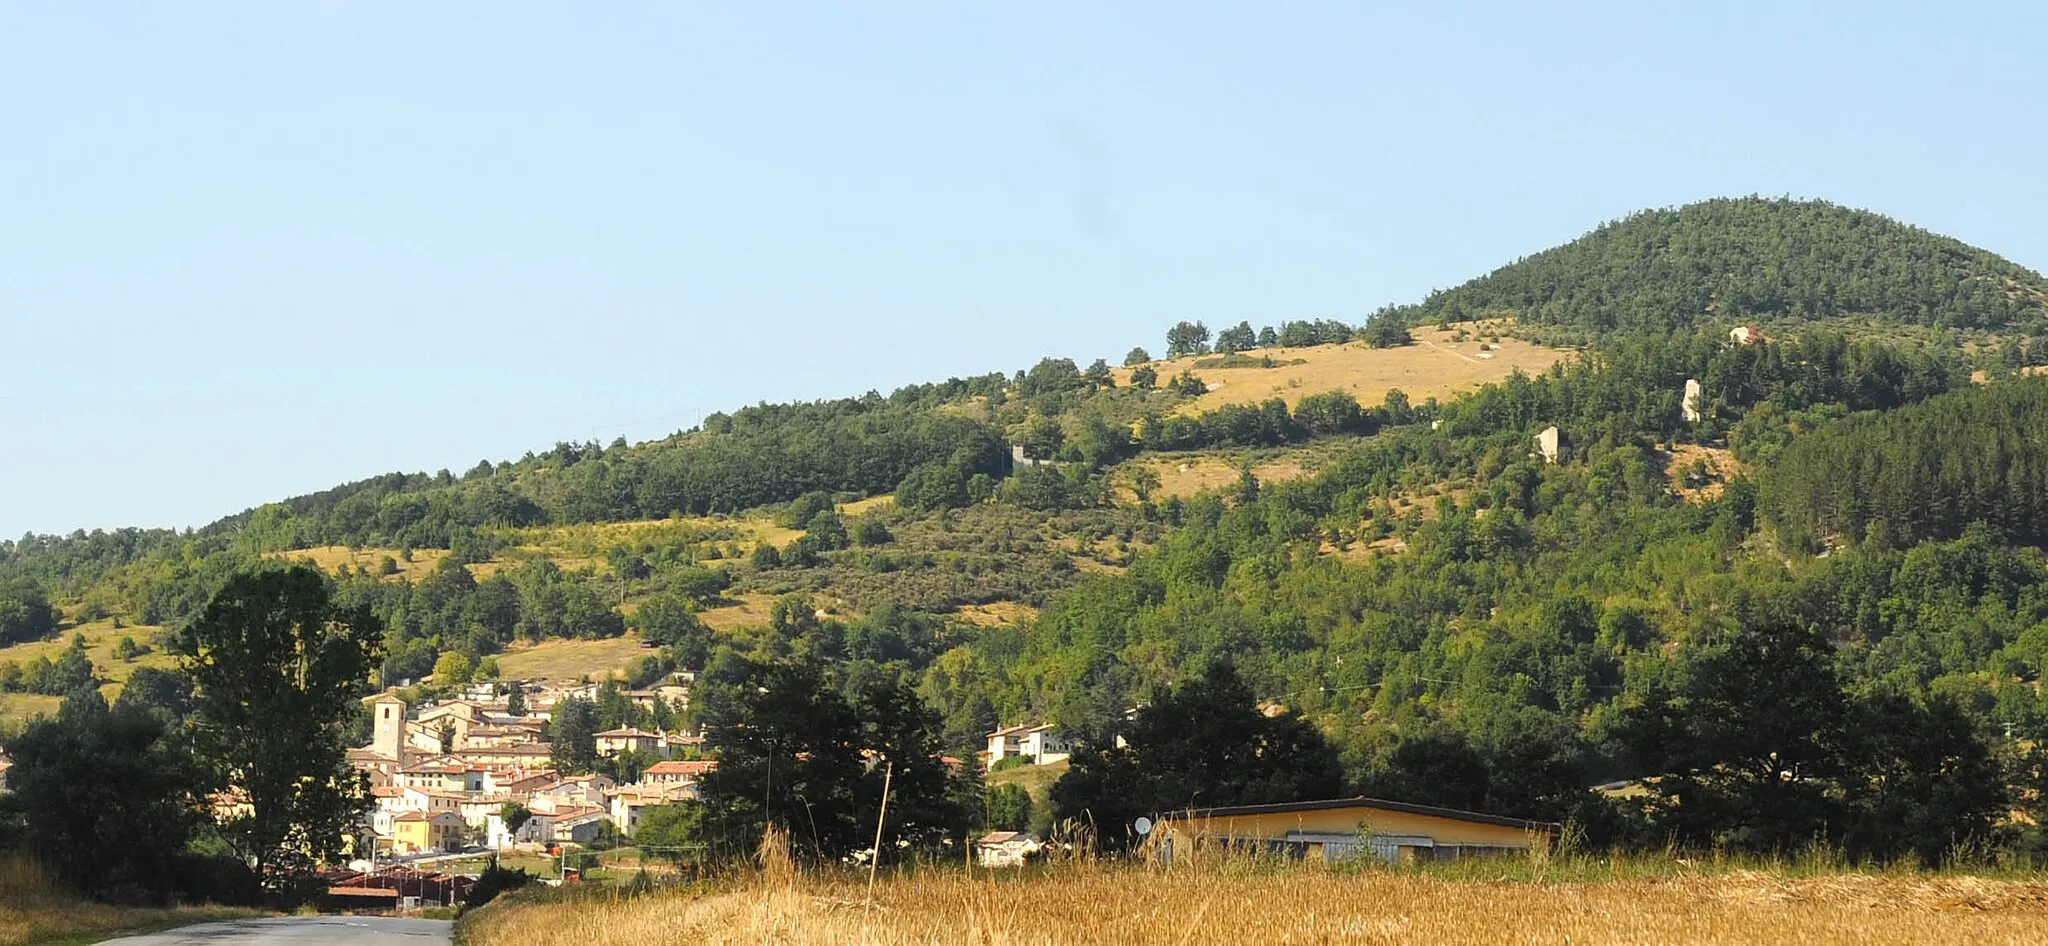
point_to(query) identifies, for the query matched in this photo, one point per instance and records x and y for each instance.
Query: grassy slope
(570, 660)
(1263, 903)
(1437, 365)
(328, 557)
(1036, 779)
(100, 639)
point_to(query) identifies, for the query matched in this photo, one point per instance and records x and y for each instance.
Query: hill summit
(1751, 258)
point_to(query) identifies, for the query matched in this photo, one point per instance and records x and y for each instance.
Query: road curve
(302, 931)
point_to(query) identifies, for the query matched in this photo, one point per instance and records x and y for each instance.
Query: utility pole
(876, 860)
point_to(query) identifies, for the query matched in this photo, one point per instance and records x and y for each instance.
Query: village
(474, 775)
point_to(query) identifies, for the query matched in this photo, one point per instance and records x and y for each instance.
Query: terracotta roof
(629, 731)
(1004, 837)
(681, 767)
(387, 791)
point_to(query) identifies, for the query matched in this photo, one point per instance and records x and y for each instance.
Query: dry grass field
(34, 911)
(563, 660)
(1720, 463)
(996, 614)
(747, 610)
(1077, 904)
(329, 557)
(1035, 779)
(100, 639)
(573, 546)
(1437, 365)
(865, 506)
(1185, 476)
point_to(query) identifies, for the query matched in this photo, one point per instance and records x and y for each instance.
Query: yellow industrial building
(1340, 829)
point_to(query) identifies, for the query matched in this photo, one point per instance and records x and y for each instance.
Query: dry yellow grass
(865, 506)
(101, 637)
(1136, 905)
(751, 610)
(33, 910)
(1035, 779)
(570, 660)
(1437, 365)
(997, 614)
(328, 557)
(588, 542)
(1187, 475)
(1720, 463)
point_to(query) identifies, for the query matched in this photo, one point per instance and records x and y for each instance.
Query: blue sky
(249, 250)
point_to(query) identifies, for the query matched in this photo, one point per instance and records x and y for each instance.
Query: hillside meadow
(1590, 903)
(1442, 363)
(101, 637)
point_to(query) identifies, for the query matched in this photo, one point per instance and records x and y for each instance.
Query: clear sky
(250, 250)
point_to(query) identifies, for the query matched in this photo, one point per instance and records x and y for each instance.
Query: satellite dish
(1143, 826)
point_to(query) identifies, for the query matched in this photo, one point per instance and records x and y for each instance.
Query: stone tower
(387, 733)
(1690, 406)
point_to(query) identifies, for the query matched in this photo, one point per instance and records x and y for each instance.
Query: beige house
(531, 756)
(627, 804)
(676, 772)
(476, 810)
(611, 742)
(581, 791)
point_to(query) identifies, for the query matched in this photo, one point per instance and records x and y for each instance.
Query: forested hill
(1751, 259)
(1849, 517)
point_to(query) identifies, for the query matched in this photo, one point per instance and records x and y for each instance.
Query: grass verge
(1589, 902)
(35, 912)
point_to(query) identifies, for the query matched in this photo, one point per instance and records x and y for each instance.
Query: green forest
(1836, 631)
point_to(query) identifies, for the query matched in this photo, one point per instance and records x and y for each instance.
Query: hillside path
(307, 930)
(1453, 354)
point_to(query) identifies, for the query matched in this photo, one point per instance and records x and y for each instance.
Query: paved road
(302, 931)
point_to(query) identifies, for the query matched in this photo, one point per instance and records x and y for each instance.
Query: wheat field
(1094, 904)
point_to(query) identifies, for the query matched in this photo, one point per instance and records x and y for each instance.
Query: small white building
(497, 837)
(1006, 848)
(1551, 445)
(1689, 406)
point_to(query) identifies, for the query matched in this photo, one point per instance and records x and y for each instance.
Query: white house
(1039, 743)
(1006, 848)
(497, 837)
